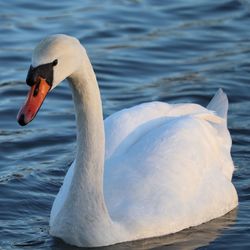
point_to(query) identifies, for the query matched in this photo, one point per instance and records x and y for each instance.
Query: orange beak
(33, 102)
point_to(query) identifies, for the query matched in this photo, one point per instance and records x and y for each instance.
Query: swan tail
(219, 104)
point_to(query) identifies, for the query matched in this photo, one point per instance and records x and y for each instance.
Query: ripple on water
(182, 51)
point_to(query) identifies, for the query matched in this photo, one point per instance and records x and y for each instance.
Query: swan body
(146, 171)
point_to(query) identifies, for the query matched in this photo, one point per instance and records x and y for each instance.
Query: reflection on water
(144, 50)
(191, 238)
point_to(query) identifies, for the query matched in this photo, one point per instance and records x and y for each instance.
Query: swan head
(55, 58)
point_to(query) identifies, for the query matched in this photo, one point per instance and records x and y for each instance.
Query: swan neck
(89, 117)
(86, 190)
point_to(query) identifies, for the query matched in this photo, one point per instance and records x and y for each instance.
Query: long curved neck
(90, 128)
(86, 204)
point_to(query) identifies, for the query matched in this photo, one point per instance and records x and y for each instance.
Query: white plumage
(160, 168)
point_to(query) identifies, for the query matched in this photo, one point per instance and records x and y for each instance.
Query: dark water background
(174, 51)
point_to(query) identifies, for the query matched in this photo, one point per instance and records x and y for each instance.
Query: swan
(146, 171)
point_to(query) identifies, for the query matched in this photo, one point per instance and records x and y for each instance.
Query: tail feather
(219, 104)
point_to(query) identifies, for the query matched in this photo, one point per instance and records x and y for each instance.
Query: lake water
(172, 51)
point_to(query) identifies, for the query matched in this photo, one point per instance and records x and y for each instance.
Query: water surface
(172, 51)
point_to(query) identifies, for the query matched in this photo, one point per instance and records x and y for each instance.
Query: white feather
(160, 168)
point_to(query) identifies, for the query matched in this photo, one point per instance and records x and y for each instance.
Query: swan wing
(121, 124)
(170, 167)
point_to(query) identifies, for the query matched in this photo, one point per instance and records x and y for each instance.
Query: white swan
(163, 167)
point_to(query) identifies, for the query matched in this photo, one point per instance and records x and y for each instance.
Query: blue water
(173, 51)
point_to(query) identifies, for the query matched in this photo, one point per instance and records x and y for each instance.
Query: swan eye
(45, 71)
(55, 62)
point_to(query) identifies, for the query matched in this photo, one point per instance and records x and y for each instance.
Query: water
(174, 51)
